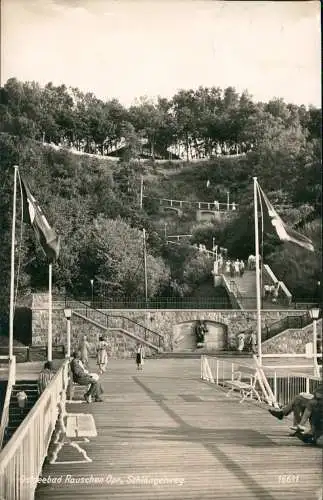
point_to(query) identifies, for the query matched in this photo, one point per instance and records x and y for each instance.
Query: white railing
(219, 371)
(278, 387)
(233, 291)
(22, 457)
(286, 386)
(10, 384)
(179, 236)
(282, 285)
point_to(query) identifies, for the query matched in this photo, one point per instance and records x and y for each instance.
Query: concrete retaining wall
(165, 322)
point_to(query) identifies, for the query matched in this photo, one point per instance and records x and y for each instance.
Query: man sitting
(82, 377)
(302, 406)
(315, 436)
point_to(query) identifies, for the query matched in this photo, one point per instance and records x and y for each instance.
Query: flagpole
(49, 340)
(141, 190)
(12, 275)
(145, 265)
(258, 291)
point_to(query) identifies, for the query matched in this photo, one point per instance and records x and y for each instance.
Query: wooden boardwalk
(164, 434)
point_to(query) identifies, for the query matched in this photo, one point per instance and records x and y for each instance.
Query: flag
(33, 215)
(272, 221)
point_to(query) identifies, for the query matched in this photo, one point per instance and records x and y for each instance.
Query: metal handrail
(123, 318)
(286, 323)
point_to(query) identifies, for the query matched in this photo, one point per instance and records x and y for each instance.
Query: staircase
(244, 288)
(3, 388)
(112, 322)
(16, 415)
(288, 323)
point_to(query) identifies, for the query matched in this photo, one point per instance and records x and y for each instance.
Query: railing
(219, 371)
(179, 236)
(235, 289)
(22, 457)
(201, 205)
(119, 321)
(283, 324)
(220, 301)
(216, 302)
(283, 385)
(235, 300)
(286, 386)
(267, 271)
(5, 409)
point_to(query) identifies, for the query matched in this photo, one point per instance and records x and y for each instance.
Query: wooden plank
(164, 434)
(80, 425)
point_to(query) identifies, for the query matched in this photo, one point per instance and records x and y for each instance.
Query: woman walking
(102, 354)
(140, 357)
(84, 349)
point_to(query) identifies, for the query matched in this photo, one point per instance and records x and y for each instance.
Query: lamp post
(315, 313)
(228, 200)
(92, 284)
(68, 315)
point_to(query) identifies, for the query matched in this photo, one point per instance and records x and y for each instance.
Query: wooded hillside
(94, 203)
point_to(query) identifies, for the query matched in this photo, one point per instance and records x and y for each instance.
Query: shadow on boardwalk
(164, 434)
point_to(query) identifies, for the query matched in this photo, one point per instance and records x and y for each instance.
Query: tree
(113, 254)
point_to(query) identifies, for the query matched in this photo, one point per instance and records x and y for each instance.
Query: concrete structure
(177, 326)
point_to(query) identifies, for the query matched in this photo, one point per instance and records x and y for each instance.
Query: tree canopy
(94, 203)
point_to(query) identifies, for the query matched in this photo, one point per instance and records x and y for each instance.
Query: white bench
(80, 425)
(244, 380)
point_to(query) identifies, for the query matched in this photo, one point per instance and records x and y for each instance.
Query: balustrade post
(232, 371)
(307, 384)
(275, 385)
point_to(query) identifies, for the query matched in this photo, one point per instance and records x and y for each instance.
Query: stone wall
(161, 321)
(205, 215)
(291, 341)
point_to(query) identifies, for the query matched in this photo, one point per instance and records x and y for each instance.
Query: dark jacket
(79, 376)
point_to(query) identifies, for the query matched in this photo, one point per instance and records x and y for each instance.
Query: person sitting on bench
(82, 377)
(315, 436)
(302, 407)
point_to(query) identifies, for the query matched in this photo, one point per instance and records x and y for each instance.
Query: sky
(130, 48)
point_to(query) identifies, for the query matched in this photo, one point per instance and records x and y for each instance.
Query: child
(139, 357)
(22, 400)
(102, 355)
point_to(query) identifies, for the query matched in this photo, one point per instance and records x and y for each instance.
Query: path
(164, 424)
(247, 288)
